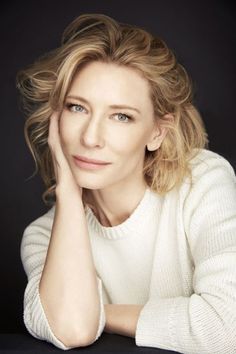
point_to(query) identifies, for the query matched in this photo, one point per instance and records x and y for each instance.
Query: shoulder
(205, 160)
(38, 231)
(209, 205)
(35, 240)
(211, 173)
(42, 223)
(209, 166)
(213, 179)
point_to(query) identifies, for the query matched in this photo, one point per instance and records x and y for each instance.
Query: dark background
(202, 35)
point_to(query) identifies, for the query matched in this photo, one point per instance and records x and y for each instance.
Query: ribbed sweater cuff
(45, 329)
(102, 319)
(41, 324)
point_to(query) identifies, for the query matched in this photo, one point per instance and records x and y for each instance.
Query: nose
(92, 134)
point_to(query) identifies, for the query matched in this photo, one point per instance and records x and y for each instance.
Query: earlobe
(155, 143)
(159, 134)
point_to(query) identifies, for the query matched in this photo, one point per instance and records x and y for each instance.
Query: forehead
(98, 79)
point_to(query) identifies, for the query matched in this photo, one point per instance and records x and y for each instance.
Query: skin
(97, 131)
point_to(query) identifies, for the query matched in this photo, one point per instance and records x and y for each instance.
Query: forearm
(122, 319)
(68, 286)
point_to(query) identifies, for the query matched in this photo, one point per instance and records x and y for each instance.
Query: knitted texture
(175, 254)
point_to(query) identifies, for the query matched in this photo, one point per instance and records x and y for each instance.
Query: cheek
(128, 144)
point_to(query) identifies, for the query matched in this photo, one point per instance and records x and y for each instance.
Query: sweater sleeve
(204, 322)
(34, 247)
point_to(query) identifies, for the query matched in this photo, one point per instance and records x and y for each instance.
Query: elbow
(75, 340)
(56, 328)
(74, 334)
(80, 333)
(66, 336)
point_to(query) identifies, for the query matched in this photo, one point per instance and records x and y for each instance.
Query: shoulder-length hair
(43, 87)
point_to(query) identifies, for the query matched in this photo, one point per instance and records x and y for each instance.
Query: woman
(140, 237)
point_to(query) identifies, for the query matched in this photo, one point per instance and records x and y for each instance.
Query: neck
(114, 205)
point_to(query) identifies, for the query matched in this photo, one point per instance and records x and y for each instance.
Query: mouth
(91, 164)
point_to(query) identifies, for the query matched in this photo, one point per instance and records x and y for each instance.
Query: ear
(159, 132)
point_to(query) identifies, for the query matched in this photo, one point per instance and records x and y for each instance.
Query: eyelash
(70, 105)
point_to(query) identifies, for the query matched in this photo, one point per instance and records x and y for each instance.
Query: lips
(92, 161)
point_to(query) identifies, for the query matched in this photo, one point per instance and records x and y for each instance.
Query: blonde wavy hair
(43, 87)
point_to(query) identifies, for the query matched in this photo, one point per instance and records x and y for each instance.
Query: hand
(63, 173)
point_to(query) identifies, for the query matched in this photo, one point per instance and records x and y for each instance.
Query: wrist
(122, 319)
(68, 194)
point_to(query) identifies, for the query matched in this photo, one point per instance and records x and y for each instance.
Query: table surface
(24, 343)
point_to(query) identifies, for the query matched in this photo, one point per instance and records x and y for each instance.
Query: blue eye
(74, 107)
(126, 117)
(78, 108)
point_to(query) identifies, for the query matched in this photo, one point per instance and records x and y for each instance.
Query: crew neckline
(136, 219)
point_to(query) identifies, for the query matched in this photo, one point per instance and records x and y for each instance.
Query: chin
(91, 184)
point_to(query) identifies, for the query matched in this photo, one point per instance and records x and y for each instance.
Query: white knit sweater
(175, 254)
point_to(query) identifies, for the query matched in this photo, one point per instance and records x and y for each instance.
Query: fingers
(54, 142)
(53, 134)
(61, 166)
(54, 139)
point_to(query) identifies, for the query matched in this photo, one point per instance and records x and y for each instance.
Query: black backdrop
(202, 35)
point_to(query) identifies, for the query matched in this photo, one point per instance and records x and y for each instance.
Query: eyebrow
(111, 106)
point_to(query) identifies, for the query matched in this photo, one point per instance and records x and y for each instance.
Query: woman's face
(92, 127)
